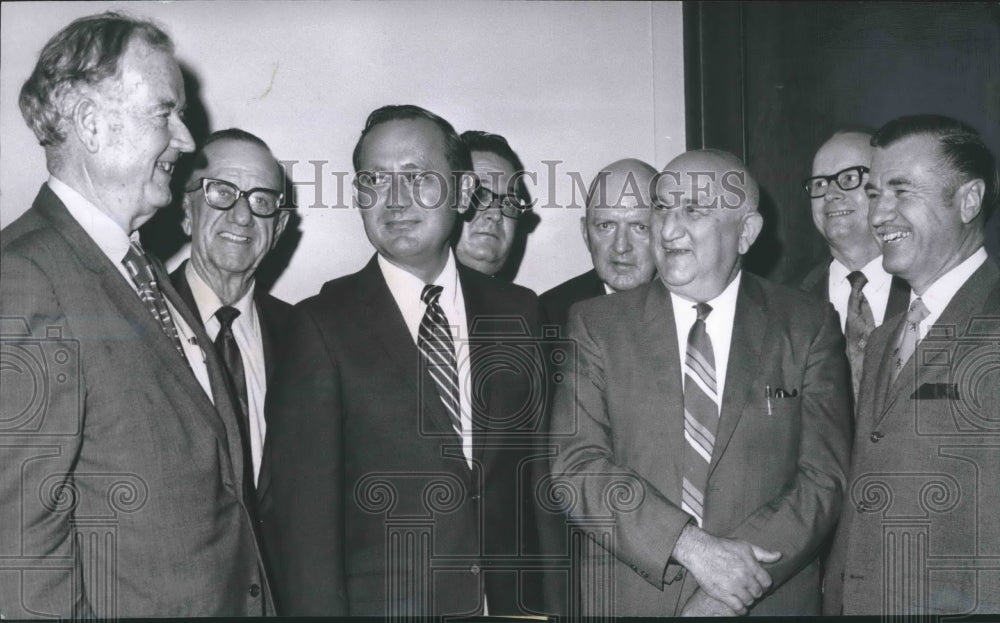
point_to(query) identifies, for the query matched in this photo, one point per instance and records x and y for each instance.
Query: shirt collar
(723, 305)
(208, 301)
(873, 271)
(940, 293)
(408, 287)
(109, 237)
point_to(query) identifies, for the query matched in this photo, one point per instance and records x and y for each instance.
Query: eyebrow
(899, 181)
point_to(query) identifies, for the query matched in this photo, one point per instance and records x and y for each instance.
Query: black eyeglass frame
(514, 210)
(860, 168)
(203, 187)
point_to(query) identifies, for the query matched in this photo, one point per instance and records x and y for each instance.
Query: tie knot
(918, 311)
(703, 309)
(858, 280)
(226, 315)
(431, 294)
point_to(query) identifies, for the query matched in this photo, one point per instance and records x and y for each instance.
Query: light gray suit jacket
(120, 486)
(776, 478)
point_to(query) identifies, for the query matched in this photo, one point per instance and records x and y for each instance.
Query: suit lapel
(749, 327)
(899, 298)
(178, 279)
(267, 324)
(664, 357)
(475, 307)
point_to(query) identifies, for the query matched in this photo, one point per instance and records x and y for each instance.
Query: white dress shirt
(876, 290)
(406, 289)
(246, 330)
(113, 242)
(718, 325)
(937, 297)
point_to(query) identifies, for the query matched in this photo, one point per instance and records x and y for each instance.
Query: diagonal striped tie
(701, 414)
(436, 345)
(141, 271)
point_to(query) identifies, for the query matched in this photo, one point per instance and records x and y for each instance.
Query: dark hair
(198, 161)
(86, 52)
(961, 148)
(455, 150)
(477, 140)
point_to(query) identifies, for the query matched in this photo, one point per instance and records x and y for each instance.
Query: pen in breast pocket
(767, 394)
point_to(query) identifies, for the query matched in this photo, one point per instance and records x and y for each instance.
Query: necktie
(141, 271)
(860, 324)
(701, 414)
(436, 345)
(909, 334)
(229, 352)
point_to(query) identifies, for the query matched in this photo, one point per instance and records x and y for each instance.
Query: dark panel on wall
(807, 69)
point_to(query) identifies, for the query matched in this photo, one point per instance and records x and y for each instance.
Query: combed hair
(456, 152)
(86, 52)
(961, 148)
(477, 140)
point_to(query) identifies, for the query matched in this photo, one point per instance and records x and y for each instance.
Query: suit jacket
(778, 468)
(272, 311)
(121, 485)
(817, 281)
(369, 506)
(557, 301)
(922, 503)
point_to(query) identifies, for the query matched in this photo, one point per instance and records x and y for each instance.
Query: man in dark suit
(401, 462)
(233, 212)
(121, 487)
(853, 279)
(705, 440)
(616, 232)
(499, 203)
(919, 531)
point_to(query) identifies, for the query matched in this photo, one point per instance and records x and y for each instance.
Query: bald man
(616, 232)
(708, 419)
(852, 279)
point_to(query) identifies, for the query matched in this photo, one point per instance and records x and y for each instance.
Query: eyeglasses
(221, 195)
(510, 205)
(848, 179)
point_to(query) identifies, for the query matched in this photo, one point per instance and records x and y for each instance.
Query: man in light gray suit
(122, 487)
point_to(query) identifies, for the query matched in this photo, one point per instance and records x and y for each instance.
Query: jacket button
(474, 569)
(254, 589)
(876, 436)
(679, 576)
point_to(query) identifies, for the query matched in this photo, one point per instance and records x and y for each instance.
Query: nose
(181, 140)
(400, 194)
(240, 212)
(670, 227)
(621, 244)
(833, 192)
(880, 210)
(492, 214)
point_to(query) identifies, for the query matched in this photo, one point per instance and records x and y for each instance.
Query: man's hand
(726, 569)
(701, 605)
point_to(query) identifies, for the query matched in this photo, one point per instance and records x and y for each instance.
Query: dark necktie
(141, 271)
(860, 324)
(229, 352)
(909, 335)
(701, 414)
(438, 349)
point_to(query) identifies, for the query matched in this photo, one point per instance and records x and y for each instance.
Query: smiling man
(616, 232)
(853, 279)
(930, 399)
(408, 392)
(233, 211)
(121, 487)
(709, 419)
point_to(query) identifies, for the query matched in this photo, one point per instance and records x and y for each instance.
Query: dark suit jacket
(817, 281)
(557, 301)
(369, 507)
(115, 445)
(778, 470)
(273, 313)
(921, 512)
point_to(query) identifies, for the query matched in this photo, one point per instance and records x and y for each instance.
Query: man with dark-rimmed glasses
(853, 279)
(500, 200)
(234, 212)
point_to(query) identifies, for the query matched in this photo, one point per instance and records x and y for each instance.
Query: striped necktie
(701, 414)
(909, 334)
(860, 324)
(438, 349)
(141, 271)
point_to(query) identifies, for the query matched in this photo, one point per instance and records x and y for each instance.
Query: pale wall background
(583, 83)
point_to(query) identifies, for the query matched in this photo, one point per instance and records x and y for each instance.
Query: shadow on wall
(765, 254)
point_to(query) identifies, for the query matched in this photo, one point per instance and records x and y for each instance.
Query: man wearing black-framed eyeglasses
(499, 201)
(852, 279)
(233, 211)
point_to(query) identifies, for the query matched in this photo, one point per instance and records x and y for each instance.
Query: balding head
(705, 219)
(616, 226)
